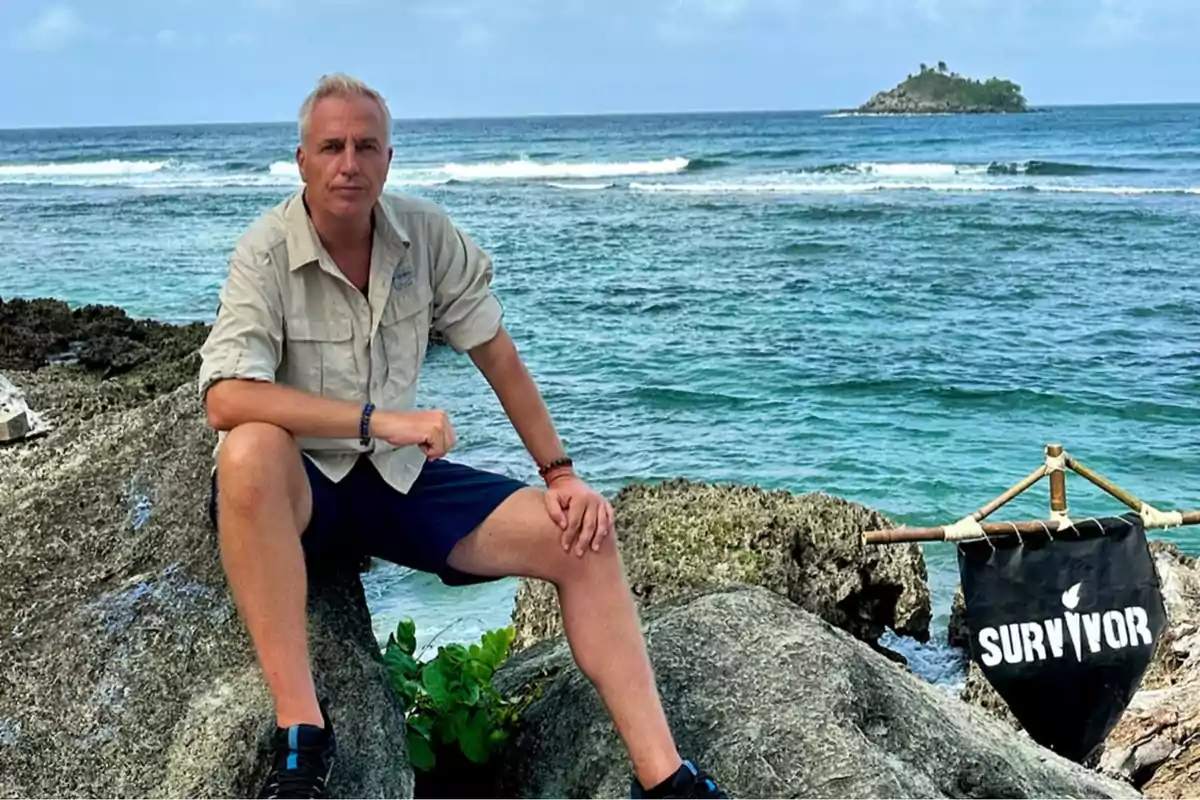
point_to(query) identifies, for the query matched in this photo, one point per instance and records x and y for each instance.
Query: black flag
(1064, 625)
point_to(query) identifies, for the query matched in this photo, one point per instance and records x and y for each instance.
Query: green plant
(449, 700)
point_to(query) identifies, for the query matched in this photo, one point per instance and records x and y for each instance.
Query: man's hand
(429, 430)
(582, 513)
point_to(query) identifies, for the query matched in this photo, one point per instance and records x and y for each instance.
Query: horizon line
(571, 115)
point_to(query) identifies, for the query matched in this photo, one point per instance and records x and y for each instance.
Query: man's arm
(584, 516)
(506, 373)
(243, 351)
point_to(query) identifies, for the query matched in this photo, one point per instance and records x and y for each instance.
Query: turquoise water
(901, 311)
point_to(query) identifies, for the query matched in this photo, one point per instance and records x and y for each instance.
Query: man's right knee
(259, 465)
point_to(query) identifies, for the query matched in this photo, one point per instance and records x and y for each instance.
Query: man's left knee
(592, 565)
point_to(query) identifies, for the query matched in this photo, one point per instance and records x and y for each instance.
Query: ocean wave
(951, 170)
(831, 187)
(525, 169)
(1062, 168)
(582, 186)
(81, 169)
(174, 173)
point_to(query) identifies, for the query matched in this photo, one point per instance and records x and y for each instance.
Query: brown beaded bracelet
(555, 464)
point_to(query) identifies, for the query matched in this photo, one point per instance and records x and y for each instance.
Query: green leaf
(436, 683)
(496, 645)
(400, 663)
(473, 740)
(420, 753)
(422, 725)
(406, 635)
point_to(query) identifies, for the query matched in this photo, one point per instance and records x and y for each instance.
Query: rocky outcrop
(102, 339)
(680, 535)
(775, 703)
(902, 100)
(125, 669)
(1156, 744)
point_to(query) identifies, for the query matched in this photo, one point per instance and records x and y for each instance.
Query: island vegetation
(937, 90)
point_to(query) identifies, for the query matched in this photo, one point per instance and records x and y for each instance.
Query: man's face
(345, 157)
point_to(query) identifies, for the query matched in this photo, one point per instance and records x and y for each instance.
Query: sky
(128, 62)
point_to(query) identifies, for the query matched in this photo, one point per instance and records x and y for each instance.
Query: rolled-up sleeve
(246, 340)
(465, 310)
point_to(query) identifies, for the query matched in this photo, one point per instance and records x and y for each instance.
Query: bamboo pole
(1016, 489)
(1058, 507)
(1128, 498)
(1058, 484)
(938, 534)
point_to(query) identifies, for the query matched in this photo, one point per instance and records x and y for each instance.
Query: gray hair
(341, 85)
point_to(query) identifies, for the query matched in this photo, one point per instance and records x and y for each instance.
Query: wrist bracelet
(364, 425)
(565, 461)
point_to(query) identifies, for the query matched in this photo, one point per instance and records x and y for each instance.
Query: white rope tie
(1153, 518)
(1056, 463)
(966, 528)
(1064, 522)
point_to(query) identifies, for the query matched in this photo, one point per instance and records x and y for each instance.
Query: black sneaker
(688, 781)
(302, 758)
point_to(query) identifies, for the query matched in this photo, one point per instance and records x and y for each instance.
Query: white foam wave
(112, 167)
(784, 187)
(919, 170)
(582, 186)
(533, 170)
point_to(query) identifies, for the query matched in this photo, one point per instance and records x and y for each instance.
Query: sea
(902, 311)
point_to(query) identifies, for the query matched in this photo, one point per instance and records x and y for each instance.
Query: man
(310, 374)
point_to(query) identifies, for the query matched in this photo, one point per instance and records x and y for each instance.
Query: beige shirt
(288, 315)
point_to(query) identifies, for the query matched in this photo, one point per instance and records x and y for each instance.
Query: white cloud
(167, 38)
(56, 29)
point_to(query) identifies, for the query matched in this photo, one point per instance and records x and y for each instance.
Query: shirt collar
(304, 246)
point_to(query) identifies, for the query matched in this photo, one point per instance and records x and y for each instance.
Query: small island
(936, 90)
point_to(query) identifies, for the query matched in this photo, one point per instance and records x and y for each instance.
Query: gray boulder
(775, 703)
(125, 670)
(681, 535)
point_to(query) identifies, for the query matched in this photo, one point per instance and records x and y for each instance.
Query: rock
(681, 535)
(774, 702)
(978, 692)
(1156, 744)
(102, 339)
(17, 420)
(957, 633)
(126, 670)
(14, 420)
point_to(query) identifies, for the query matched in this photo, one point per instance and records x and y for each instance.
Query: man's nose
(349, 161)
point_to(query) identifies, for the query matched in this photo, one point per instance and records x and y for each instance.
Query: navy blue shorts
(362, 515)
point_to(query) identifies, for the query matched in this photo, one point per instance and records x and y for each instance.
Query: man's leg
(264, 503)
(599, 618)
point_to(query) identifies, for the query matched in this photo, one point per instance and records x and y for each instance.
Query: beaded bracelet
(565, 461)
(364, 425)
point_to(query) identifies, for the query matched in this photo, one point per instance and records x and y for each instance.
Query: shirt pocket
(404, 335)
(321, 358)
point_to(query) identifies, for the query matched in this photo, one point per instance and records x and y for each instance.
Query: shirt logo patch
(402, 279)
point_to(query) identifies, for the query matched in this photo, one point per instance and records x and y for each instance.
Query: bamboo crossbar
(938, 534)
(1056, 458)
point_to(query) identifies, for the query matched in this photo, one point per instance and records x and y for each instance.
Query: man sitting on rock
(310, 373)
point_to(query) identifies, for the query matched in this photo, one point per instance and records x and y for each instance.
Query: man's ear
(300, 160)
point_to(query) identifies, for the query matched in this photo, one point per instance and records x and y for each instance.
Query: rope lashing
(1153, 518)
(1056, 463)
(966, 528)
